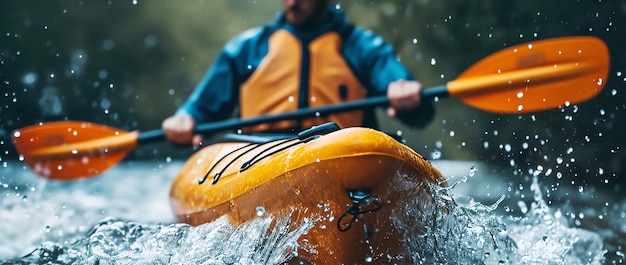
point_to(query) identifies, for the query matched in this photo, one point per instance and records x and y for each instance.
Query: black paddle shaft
(210, 127)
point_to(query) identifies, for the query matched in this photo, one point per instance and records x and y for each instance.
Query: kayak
(351, 181)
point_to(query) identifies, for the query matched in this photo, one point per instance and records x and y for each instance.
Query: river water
(123, 217)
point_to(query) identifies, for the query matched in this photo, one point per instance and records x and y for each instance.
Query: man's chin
(295, 21)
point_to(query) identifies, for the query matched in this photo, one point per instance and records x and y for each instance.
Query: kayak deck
(350, 181)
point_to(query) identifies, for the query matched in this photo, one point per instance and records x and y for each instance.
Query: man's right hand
(179, 129)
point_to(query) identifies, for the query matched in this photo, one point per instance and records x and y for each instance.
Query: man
(309, 56)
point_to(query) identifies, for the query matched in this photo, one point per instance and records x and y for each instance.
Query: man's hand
(179, 129)
(403, 95)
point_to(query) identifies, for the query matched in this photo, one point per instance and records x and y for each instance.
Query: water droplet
(433, 61)
(108, 45)
(260, 211)
(29, 79)
(559, 160)
(473, 170)
(150, 41)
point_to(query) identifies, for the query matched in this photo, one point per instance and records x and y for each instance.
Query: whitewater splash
(119, 242)
(470, 233)
(68, 224)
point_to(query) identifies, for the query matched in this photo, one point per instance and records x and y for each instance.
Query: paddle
(524, 78)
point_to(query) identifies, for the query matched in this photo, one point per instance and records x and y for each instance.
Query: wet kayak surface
(123, 217)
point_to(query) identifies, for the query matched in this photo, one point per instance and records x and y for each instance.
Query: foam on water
(123, 217)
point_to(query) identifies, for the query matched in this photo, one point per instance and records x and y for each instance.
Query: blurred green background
(131, 63)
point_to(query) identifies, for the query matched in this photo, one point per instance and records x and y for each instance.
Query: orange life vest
(292, 69)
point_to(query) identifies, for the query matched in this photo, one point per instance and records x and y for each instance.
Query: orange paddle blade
(67, 150)
(535, 76)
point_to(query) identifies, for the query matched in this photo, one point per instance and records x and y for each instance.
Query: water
(123, 217)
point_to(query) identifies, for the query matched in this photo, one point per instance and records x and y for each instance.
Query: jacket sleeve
(377, 67)
(217, 95)
(214, 97)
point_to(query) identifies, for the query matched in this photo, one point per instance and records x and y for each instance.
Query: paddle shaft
(210, 127)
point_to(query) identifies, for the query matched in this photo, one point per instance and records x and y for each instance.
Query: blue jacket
(368, 57)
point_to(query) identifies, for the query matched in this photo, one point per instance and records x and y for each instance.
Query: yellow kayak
(359, 176)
